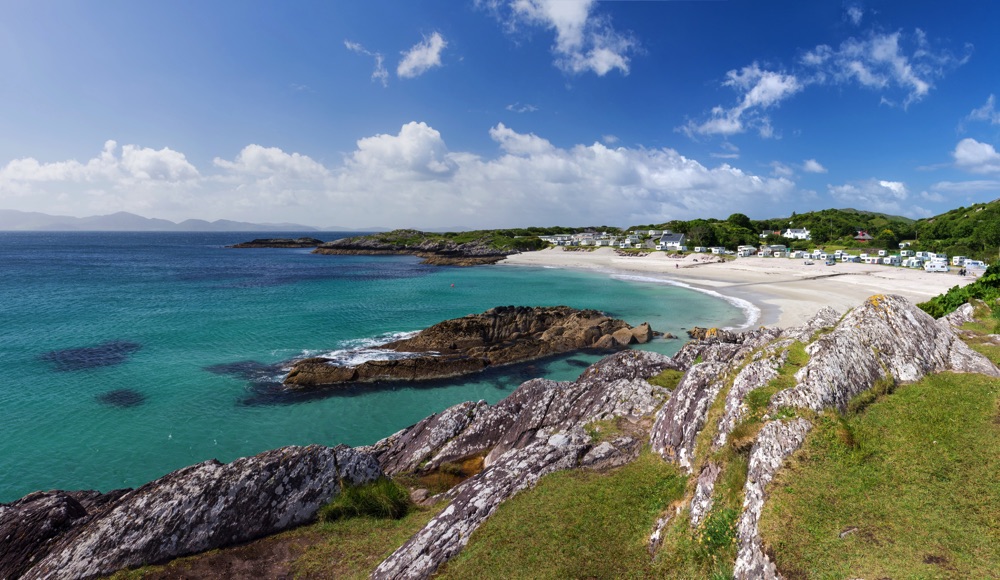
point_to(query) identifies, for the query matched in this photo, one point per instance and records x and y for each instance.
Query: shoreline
(785, 292)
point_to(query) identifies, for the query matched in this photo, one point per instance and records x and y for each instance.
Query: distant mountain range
(13, 220)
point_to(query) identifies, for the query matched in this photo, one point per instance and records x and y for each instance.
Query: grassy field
(909, 488)
(574, 524)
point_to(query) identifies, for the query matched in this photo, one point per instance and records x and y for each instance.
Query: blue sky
(495, 113)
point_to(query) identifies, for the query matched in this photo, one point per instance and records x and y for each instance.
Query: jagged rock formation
(536, 430)
(435, 251)
(886, 337)
(279, 243)
(198, 508)
(499, 336)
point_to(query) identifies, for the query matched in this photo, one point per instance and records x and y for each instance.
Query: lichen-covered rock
(756, 374)
(206, 506)
(477, 498)
(961, 315)
(679, 421)
(776, 441)
(702, 502)
(887, 336)
(407, 449)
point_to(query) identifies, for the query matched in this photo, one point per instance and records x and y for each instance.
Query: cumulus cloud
(417, 152)
(781, 170)
(873, 194)
(812, 166)
(406, 178)
(422, 57)
(380, 74)
(971, 155)
(585, 41)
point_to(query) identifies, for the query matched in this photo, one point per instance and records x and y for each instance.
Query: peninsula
(451, 249)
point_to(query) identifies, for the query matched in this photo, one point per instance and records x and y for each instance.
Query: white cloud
(519, 108)
(759, 89)
(881, 62)
(812, 166)
(779, 169)
(407, 178)
(932, 196)
(610, 139)
(967, 186)
(267, 161)
(854, 14)
(971, 155)
(986, 113)
(422, 57)
(380, 74)
(873, 195)
(585, 42)
(417, 152)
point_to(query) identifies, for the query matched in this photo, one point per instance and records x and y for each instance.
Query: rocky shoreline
(434, 251)
(461, 346)
(538, 429)
(279, 243)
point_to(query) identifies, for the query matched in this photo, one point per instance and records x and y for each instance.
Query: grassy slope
(912, 483)
(574, 524)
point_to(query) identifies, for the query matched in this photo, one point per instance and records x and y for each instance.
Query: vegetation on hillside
(972, 231)
(986, 288)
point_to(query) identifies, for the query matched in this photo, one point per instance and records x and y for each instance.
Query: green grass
(668, 379)
(382, 498)
(353, 548)
(575, 524)
(912, 482)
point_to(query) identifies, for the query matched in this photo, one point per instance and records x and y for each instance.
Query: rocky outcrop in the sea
(435, 250)
(499, 336)
(280, 243)
(198, 508)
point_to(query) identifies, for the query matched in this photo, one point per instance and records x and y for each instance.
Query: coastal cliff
(470, 344)
(757, 393)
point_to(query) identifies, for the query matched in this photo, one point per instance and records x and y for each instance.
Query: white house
(671, 241)
(797, 234)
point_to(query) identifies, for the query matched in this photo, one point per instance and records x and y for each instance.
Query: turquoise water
(183, 335)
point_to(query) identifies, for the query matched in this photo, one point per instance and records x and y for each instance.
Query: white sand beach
(787, 292)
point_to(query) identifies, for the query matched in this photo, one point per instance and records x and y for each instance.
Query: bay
(129, 355)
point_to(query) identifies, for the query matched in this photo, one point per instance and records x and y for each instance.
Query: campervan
(936, 266)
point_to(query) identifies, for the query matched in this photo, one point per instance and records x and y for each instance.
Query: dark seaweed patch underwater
(106, 354)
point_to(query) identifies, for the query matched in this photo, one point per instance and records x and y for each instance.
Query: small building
(863, 237)
(797, 234)
(671, 241)
(958, 260)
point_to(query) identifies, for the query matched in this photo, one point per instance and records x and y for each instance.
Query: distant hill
(972, 231)
(13, 220)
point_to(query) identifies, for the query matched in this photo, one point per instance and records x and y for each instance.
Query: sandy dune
(787, 292)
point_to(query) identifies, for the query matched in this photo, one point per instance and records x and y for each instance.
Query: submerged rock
(122, 398)
(499, 336)
(106, 354)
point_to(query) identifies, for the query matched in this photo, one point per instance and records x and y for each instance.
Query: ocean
(129, 355)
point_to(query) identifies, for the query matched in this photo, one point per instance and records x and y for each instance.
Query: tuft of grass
(574, 524)
(605, 430)
(668, 379)
(382, 498)
(906, 489)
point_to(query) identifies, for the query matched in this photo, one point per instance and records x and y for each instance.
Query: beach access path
(786, 291)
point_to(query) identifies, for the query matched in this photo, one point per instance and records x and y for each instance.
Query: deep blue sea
(129, 355)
